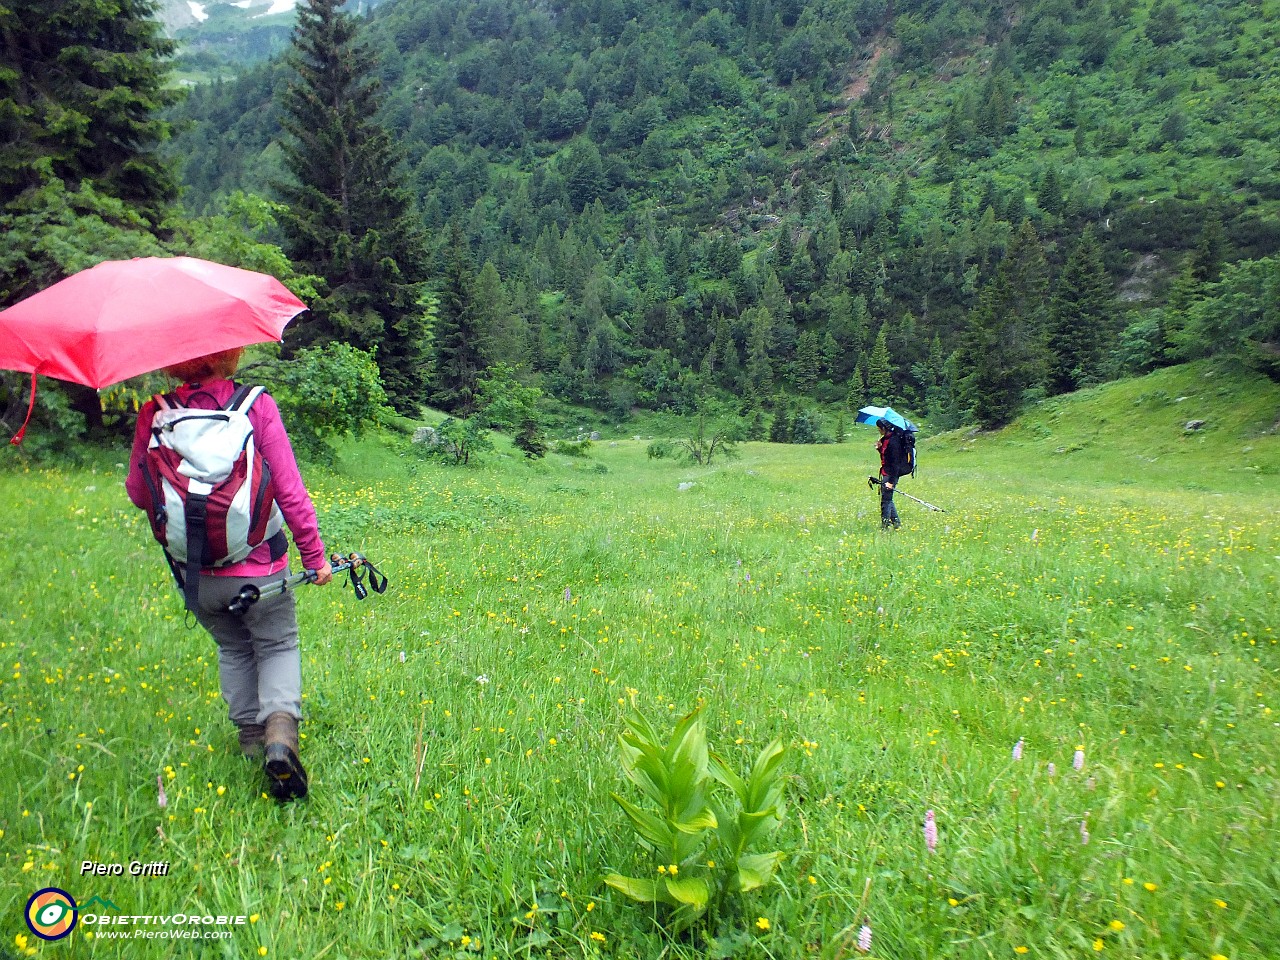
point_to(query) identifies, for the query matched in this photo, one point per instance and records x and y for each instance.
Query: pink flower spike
(1017, 749)
(930, 831)
(1053, 771)
(1078, 760)
(161, 799)
(1084, 832)
(864, 939)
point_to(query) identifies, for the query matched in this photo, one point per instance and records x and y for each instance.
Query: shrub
(325, 393)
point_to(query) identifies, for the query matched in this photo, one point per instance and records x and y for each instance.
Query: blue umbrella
(874, 415)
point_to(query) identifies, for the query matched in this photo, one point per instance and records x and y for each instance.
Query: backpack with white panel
(212, 498)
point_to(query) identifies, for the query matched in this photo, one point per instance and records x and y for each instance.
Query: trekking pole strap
(356, 565)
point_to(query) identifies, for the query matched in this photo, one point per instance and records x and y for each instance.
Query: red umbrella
(127, 317)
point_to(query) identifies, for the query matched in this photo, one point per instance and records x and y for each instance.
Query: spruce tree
(81, 87)
(458, 360)
(1003, 355)
(880, 369)
(995, 376)
(349, 216)
(1049, 193)
(759, 365)
(1080, 318)
(81, 179)
(780, 428)
(808, 363)
(1208, 256)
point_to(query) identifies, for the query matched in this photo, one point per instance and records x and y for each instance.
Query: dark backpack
(907, 454)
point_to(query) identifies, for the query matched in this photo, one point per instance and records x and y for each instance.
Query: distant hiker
(893, 464)
(259, 664)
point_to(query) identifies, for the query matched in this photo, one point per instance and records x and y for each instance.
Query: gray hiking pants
(259, 664)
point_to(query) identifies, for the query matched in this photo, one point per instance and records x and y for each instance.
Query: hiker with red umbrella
(211, 462)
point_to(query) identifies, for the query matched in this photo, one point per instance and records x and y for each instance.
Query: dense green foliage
(680, 197)
(81, 87)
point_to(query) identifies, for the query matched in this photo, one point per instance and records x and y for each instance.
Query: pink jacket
(291, 494)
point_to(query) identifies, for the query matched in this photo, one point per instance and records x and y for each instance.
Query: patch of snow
(197, 10)
(278, 6)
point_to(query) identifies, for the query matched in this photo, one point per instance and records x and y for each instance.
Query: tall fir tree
(1080, 325)
(349, 218)
(758, 369)
(807, 368)
(1208, 256)
(880, 369)
(457, 337)
(1003, 355)
(505, 333)
(82, 86)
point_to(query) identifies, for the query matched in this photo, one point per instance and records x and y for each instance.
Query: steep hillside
(815, 199)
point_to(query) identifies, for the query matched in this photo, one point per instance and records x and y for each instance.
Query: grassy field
(1098, 599)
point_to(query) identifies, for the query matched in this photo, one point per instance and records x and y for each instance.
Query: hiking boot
(285, 774)
(252, 738)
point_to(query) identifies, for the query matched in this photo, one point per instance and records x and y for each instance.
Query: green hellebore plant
(705, 847)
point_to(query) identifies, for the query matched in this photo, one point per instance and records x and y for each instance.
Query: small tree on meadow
(716, 430)
(460, 440)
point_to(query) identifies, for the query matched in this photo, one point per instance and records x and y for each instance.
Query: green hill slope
(1196, 426)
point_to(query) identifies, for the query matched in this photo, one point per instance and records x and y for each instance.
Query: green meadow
(1075, 667)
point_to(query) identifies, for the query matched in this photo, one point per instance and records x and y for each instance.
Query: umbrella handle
(31, 406)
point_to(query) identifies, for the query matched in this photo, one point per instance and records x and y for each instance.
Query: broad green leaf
(719, 769)
(644, 766)
(726, 828)
(691, 890)
(684, 917)
(687, 756)
(647, 825)
(643, 891)
(641, 727)
(687, 845)
(756, 825)
(765, 782)
(703, 820)
(757, 869)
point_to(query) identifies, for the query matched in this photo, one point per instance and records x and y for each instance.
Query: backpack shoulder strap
(166, 401)
(244, 397)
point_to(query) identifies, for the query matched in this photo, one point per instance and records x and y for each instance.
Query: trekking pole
(875, 482)
(356, 565)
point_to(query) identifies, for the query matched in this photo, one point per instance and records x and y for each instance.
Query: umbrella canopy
(874, 415)
(127, 317)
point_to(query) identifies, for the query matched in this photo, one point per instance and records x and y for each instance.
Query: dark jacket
(893, 456)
